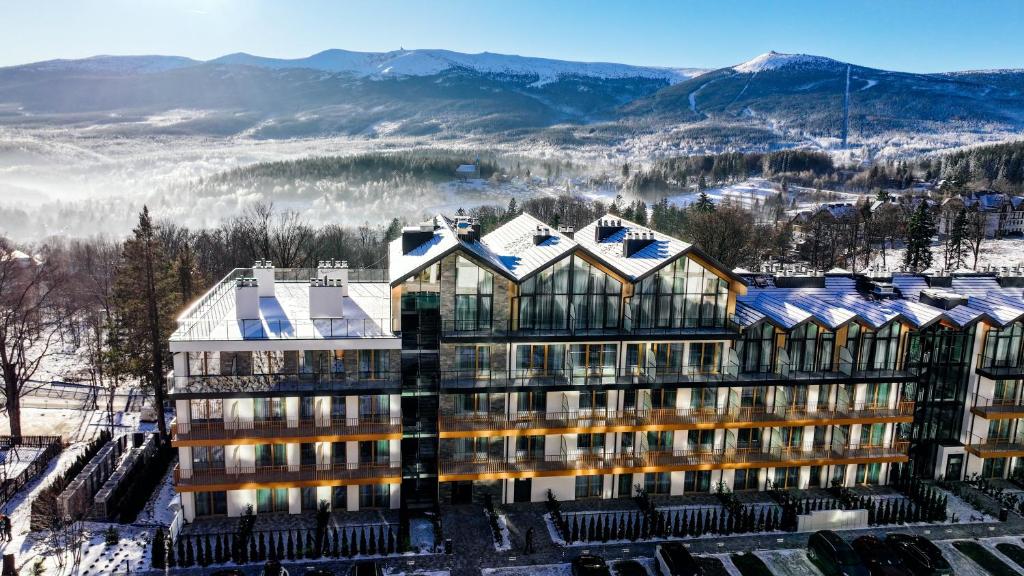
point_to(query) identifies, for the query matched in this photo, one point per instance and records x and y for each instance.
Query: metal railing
(233, 475)
(1000, 367)
(997, 406)
(997, 445)
(577, 460)
(666, 417)
(253, 428)
(283, 329)
(575, 327)
(311, 382)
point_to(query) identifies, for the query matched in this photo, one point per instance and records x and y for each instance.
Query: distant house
(1004, 214)
(467, 171)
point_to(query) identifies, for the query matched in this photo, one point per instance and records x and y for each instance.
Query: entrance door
(521, 489)
(954, 467)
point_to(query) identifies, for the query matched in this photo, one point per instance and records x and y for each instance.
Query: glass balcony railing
(725, 326)
(996, 446)
(998, 368)
(363, 426)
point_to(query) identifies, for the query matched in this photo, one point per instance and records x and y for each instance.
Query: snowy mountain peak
(774, 60)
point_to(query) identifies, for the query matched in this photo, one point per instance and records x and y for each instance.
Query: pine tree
(172, 561)
(291, 546)
(362, 541)
(201, 552)
(920, 229)
(263, 547)
(574, 533)
(704, 203)
(344, 544)
(145, 301)
(957, 242)
(190, 553)
(391, 541)
(280, 547)
(159, 552)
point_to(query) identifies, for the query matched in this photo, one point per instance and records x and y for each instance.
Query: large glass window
(756, 350)
(746, 479)
(682, 294)
(203, 363)
(271, 500)
(271, 455)
(589, 486)
(569, 292)
(805, 351)
(540, 359)
(473, 360)
(786, 477)
(705, 357)
(474, 295)
(206, 410)
(375, 452)
(267, 362)
(373, 364)
(658, 483)
(375, 496)
(211, 503)
(595, 296)
(877, 350)
(207, 457)
(1003, 347)
(268, 408)
(544, 298)
(374, 405)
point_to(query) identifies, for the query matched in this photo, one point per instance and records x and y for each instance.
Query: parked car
(589, 565)
(675, 560)
(919, 555)
(879, 558)
(833, 555)
(366, 568)
(629, 568)
(273, 568)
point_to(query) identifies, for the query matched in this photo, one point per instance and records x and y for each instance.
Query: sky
(905, 35)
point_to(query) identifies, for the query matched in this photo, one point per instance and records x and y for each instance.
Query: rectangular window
(375, 452)
(271, 500)
(589, 486)
(786, 477)
(699, 481)
(207, 457)
(308, 499)
(590, 443)
(658, 483)
(337, 408)
(307, 454)
(206, 410)
(268, 408)
(339, 497)
(375, 496)
(338, 454)
(373, 364)
(374, 406)
(746, 479)
(271, 455)
(211, 503)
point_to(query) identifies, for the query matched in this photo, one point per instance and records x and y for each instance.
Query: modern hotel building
(587, 363)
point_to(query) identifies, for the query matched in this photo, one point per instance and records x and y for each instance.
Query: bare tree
(33, 320)
(976, 224)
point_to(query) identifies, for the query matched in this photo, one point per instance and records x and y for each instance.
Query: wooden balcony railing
(364, 427)
(471, 424)
(684, 459)
(188, 479)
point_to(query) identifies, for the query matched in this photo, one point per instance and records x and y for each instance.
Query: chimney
(467, 229)
(326, 298)
(605, 228)
(247, 299)
(541, 235)
(334, 270)
(415, 236)
(567, 231)
(263, 272)
(635, 242)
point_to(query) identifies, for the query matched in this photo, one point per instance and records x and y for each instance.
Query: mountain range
(773, 99)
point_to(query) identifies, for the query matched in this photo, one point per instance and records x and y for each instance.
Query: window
(663, 399)
(791, 436)
(868, 473)
(373, 364)
(271, 455)
(307, 407)
(206, 410)
(680, 294)
(472, 404)
(374, 406)
(589, 486)
(786, 477)
(994, 468)
(705, 357)
(704, 398)
(746, 479)
(659, 441)
(531, 401)
(803, 347)
(375, 496)
(211, 503)
(375, 452)
(594, 400)
(699, 481)
(1006, 392)
(658, 483)
(268, 362)
(339, 497)
(748, 439)
(593, 359)
(753, 396)
(700, 439)
(530, 447)
(271, 500)
(473, 360)
(625, 485)
(879, 349)
(1003, 347)
(338, 408)
(595, 296)
(756, 350)
(307, 454)
(540, 359)
(872, 434)
(315, 361)
(339, 454)
(590, 443)
(207, 457)
(839, 474)
(203, 363)
(308, 499)
(268, 408)
(474, 289)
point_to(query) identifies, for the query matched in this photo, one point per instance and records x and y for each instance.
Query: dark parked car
(674, 560)
(629, 568)
(366, 568)
(879, 558)
(833, 555)
(589, 565)
(919, 555)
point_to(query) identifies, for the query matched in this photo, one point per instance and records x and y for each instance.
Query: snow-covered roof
(466, 169)
(402, 265)
(512, 247)
(609, 250)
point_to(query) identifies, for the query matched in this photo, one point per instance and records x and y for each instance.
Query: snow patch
(775, 60)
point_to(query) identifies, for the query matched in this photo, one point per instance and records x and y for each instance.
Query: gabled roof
(401, 266)
(511, 247)
(661, 251)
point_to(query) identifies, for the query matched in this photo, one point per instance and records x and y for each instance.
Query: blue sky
(918, 36)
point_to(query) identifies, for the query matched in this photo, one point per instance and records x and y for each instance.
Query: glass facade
(571, 293)
(682, 294)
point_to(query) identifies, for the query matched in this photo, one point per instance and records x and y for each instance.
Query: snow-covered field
(1003, 252)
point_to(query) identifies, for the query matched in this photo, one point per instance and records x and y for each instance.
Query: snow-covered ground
(962, 565)
(1003, 252)
(15, 460)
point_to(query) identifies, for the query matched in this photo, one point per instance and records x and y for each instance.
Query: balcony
(725, 328)
(543, 422)
(998, 408)
(996, 447)
(1000, 368)
(700, 458)
(281, 384)
(782, 370)
(293, 476)
(216, 432)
